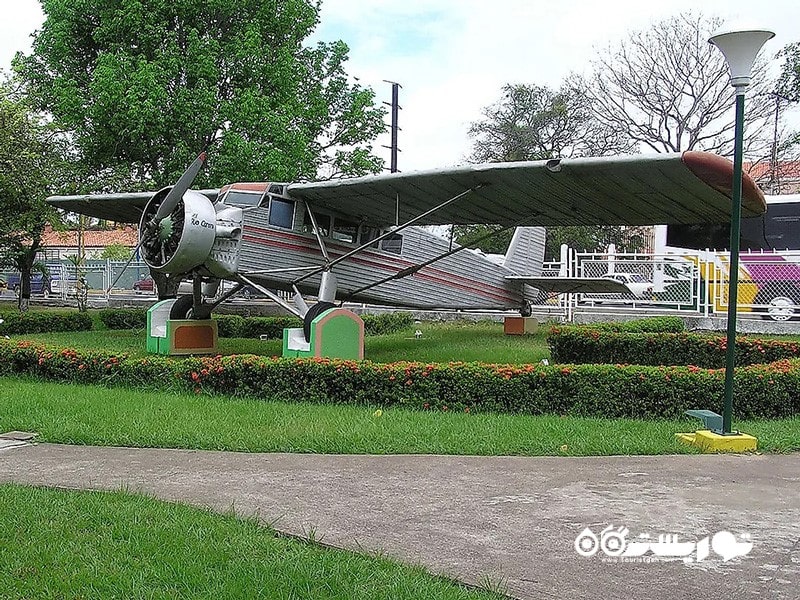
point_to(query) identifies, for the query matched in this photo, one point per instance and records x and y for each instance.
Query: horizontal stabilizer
(573, 285)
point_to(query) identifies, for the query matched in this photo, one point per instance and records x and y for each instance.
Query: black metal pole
(395, 113)
(733, 279)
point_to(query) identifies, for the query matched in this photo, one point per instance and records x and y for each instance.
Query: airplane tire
(313, 313)
(182, 308)
(526, 310)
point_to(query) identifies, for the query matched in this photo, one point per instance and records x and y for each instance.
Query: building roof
(126, 236)
(760, 171)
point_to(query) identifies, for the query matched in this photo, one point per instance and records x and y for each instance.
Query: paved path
(510, 519)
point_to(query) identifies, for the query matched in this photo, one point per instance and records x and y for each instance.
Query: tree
(787, 92)
(789, 79)
(116, 252)
(668, 90)
(592, 238)
(142, 86)
(30, 163)
(532, 122)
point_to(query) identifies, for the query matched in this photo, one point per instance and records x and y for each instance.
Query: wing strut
(414, 268)
(328, 266)
(317, 233)
(272, 296)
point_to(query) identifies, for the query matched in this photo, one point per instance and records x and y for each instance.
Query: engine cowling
(182, 240)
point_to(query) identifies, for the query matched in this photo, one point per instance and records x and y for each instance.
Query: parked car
(40, 285)
(640, 287)
(146, 284)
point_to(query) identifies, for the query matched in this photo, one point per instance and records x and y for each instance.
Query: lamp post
(740, 49)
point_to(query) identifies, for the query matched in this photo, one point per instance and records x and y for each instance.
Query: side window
(281, 213)
(393, 244)
(344, 231)
(368, 234)
(323, 223)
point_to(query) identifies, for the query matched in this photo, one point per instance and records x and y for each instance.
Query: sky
(452, 57)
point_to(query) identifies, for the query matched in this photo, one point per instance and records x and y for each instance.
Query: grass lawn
(440, 342)
(67, 544)
(73, 414)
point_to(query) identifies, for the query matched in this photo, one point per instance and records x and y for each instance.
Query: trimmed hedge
(16, 322)
(648, 325)
(124, 318)
(593, 345)
(254, 327)
(612, 391)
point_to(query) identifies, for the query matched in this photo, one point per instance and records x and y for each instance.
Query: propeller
(168, 205)
(179, 189)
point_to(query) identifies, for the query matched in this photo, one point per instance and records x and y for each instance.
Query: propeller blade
(179, 189)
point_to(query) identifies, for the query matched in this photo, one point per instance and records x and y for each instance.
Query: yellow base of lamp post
(708, 441)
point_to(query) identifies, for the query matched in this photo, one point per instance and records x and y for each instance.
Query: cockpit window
(281, 213)
(244, 199)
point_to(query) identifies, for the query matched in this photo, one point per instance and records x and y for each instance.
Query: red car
(144, 285)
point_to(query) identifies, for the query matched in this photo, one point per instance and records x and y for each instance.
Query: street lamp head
(740, 49)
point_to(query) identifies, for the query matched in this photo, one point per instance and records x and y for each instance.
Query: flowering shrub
(766, 390)
(593, 345)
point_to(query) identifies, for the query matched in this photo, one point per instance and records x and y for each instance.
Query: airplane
(362, 240)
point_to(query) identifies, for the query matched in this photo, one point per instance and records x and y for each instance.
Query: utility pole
(395, 107)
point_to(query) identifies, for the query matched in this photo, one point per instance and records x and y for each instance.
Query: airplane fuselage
(278, 239)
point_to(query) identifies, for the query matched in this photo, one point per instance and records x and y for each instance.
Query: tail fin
(526, 251)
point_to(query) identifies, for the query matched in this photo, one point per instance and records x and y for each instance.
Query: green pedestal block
(335, 333)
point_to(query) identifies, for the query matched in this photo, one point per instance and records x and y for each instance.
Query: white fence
(690, 283)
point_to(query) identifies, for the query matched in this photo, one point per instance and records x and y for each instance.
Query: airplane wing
(122, 208)
(573, 285)
(693, 187)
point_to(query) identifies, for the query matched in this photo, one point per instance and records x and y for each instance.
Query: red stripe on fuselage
(438, 276)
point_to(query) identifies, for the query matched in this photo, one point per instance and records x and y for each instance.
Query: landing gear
(313, 313)
(184, 308)
(526, 310)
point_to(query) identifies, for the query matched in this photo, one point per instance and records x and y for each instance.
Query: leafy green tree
(31, 166)
(789, 80)
(116, 252)
(531, 122)
(497, 243)
(788, 89)
(143, 85)
(592, 238)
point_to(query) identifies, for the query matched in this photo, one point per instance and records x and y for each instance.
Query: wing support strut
(329, 265)
(272, 296)
(317, 233)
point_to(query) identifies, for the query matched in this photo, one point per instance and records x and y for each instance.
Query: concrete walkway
(509, 519)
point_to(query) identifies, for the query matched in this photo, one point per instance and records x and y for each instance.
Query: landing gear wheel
(313, 313)
(781, 308)
(526, 310)
(183, 308)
